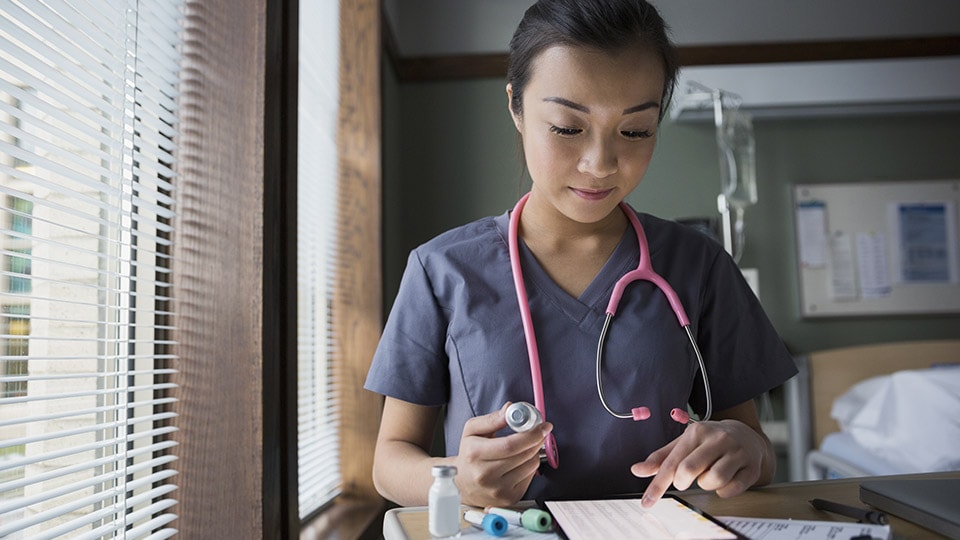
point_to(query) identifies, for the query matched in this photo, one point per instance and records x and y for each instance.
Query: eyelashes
(629, 133)
(566, 132)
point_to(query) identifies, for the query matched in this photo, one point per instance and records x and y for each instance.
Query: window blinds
(318, 104)
(87, 143)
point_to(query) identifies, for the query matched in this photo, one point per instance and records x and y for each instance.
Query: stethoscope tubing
(533, 353)
(703, 372)
(644, 271)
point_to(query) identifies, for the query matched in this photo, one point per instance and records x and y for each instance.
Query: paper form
(843, 282)
(927, 240)
(795, 529)
(626, 518)
(812, 233)
(872, 263)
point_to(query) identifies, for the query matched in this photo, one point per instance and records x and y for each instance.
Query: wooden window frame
(235, 236)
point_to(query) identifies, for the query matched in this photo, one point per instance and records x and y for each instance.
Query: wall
(451, 156)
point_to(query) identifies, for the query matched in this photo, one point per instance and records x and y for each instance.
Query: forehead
(628, 75)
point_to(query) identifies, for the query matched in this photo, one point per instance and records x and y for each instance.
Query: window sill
(347, 518)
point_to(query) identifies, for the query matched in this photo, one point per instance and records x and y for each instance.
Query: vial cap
(444, 471)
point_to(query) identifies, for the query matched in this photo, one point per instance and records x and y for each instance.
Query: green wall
(450, 156)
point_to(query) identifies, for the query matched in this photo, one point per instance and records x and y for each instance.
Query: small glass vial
(444, 503)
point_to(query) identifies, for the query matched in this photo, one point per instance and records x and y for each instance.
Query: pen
(861, 514)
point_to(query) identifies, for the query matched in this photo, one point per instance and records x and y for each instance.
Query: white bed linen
(843, 446)
(909, 419)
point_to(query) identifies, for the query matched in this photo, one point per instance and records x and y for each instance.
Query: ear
(517, 121)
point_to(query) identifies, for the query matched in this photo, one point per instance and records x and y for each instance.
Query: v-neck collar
(596, 296)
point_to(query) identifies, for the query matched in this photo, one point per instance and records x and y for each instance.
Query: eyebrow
(578, 107)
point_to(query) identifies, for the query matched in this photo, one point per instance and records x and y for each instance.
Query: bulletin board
(878, 248)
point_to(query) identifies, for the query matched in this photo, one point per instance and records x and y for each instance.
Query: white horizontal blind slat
(318, 411)
(100, 498)
(73, 413)
(88, 124)
(81, 449)
(117, 525)
(93, 500)
(56, 89)
(89, 29)
(40, 109)
(54, 73)
(65, 471)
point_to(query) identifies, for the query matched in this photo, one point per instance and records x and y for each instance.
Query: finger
(729, 475)
(505, 452)
(525, 443)
(681, 448)
(488, 424)
(740, 482)
(691, 468)
(521, 476)
(502, 481)
(651, 465)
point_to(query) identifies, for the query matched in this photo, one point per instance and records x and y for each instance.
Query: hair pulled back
(606, 25)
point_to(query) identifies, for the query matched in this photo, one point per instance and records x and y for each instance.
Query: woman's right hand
(496, 471)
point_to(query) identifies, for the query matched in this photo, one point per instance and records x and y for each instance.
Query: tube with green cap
(532, 519)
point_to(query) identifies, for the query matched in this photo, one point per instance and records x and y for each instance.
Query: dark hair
(607, 25)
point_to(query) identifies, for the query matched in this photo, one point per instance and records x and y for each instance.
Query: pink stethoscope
(644, 271)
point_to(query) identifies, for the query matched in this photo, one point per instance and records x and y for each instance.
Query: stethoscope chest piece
(522, 416)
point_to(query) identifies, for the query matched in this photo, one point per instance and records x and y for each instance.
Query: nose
(599, 159)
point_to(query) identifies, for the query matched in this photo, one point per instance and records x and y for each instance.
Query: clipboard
(603, 519)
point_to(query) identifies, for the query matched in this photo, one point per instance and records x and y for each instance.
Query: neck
(570, 252)
(544, 225)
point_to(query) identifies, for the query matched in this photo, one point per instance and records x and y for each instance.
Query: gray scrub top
(454, 338)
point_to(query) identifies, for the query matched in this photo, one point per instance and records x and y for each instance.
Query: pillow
(910, 417)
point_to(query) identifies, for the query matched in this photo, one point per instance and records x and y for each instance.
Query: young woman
(588, 84)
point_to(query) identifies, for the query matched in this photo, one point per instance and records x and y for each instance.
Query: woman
(588, 83)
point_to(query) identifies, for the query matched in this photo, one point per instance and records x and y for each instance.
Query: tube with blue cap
(532, 519)
(492, 524)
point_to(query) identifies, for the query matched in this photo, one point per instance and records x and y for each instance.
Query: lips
(592, 194)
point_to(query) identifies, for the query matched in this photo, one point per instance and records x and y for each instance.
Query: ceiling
(426, 28)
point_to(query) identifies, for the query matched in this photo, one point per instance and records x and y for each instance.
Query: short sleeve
(744, 353)
(410, 363)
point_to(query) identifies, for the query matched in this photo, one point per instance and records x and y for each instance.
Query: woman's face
(589, 126)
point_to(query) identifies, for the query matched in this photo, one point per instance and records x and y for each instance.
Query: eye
(565, 132)
(631, 134)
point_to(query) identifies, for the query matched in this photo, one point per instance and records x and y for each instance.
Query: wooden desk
(781, 501)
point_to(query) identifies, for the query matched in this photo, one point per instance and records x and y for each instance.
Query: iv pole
(723, 205)
(735, 143)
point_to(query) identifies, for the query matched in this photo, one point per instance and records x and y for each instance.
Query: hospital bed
(818, 448)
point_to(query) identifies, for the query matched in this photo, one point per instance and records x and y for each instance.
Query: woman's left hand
(727, 456)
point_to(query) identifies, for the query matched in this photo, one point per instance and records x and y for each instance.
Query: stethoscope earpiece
(641, 413)
(680, 416)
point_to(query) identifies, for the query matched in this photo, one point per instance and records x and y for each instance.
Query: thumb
(487, 424)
